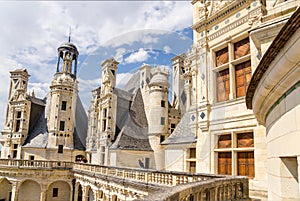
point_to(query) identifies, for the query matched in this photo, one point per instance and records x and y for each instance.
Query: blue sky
(134, 32)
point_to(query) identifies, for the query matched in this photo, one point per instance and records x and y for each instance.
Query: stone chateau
(134, 144)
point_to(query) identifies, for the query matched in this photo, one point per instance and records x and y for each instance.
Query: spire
(69, 34)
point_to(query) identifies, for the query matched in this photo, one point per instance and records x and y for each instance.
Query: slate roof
(131, 124)
(134, 83)
(38, 131)
(182, 133)
(38, 134)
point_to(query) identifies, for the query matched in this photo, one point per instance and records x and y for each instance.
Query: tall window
(222, 56)
(191, 159)
(55, 192)
(18, 121)
(60, 149)
(162, 121)
(242, 78)
(233, 73)
(104, 119)
(63, 105)
(15, 150)
(223, 88)
(235, 154)
(61, 125)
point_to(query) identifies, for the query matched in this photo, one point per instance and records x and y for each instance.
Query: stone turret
(107, 109)
(17, 117)
(63, 97)
(158, 113)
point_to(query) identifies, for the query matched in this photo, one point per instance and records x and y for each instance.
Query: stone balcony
(97, 182)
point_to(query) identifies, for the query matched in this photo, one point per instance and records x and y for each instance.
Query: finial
(69, 34)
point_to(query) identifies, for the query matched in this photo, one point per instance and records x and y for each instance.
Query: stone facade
(230, 38)
(273, 94)
(206, 127)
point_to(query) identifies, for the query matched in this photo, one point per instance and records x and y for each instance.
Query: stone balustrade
(131, 183)
(227, 188)
(165, 178)
(36, 164)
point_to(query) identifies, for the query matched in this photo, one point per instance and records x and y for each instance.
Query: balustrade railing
(185, 186)
(36, 164)
(227, 188)
(165, 178)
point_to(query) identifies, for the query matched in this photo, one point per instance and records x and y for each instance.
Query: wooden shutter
(192, 166)
(223, 85)
(242, 78)
(224, 141)
(245, 162)
(241, 48)
(222, 57)
(245, 140)
(224, 163)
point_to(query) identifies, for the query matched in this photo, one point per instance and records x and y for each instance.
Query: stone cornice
(218, 15)
(278, 43)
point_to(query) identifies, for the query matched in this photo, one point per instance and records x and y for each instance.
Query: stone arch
(79, 192)
(90, 194)
(29, 190)
(115, 198)
(59, 191)
(5, 186)
(101, 194)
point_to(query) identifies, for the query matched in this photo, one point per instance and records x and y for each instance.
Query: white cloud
(167, 49)
(139, 56)
(40, 89)
(119, 54)
(88, 85)
(32, 31)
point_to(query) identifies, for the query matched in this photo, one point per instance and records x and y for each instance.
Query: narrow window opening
(62, 126)
(63, 105)
(60, 149)
(162, 121)
(55, 192)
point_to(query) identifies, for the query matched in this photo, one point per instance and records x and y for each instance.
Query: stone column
(84, 193)
(14, 191)
(232, 93)
(76, 193)
(43, 195)
(57, 64)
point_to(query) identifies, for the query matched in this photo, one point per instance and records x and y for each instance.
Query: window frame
(55, 192)
(60, 149)
(233, 61)
(62, 125)
(235, 149)
(63, 105)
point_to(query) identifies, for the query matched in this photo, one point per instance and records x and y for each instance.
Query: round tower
(158, 113)
(63, 97)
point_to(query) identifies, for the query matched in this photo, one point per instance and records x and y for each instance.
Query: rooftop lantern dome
(160, 77)
(68, 53)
